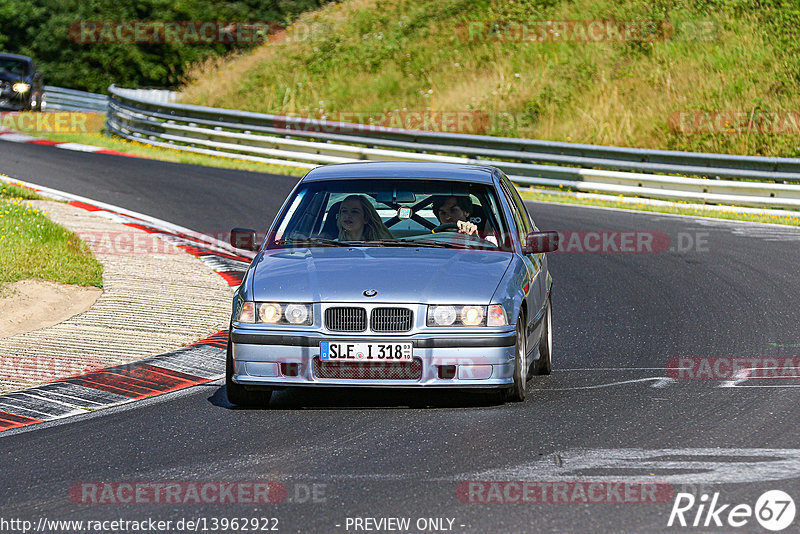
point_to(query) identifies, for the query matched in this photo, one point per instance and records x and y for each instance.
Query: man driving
(456, 210)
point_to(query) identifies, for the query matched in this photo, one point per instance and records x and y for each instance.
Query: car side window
(521, 222)
(523, 210)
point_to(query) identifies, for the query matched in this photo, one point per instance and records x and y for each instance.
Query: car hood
(411, 275)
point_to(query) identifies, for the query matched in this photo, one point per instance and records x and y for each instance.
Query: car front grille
(354, 319)
(346, 319)
(411, 370)
(391, 319)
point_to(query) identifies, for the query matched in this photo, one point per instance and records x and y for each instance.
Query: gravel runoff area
(156, 297)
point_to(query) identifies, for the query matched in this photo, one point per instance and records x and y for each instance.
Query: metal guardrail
(757, 181)
(151, 95)
(59, 98)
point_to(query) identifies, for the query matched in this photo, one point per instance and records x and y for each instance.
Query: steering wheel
(446, 227)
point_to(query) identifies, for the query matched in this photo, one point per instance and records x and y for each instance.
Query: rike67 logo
(774, 510)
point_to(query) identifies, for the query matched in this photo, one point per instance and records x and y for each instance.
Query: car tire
(516, 393)
(544, 365)
(238, 394)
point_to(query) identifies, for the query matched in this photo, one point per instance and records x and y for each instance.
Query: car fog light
(447, 371)
(444, 315)
(290, 369)
(472, 315)
(297, 313)
(269, 312)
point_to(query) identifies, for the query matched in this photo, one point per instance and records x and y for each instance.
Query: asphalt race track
(611, 412)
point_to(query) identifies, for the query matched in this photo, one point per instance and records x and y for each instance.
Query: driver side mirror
(244, 238)
(540, 242)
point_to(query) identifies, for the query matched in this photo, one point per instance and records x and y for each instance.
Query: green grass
(538, 195)
(381, 56)
(15, 191)
(33, 246)
(166, 154)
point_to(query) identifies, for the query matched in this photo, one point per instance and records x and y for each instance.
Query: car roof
(15, 56)
(403, 169)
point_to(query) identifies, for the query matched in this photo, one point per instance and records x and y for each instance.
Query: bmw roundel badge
(370, 292)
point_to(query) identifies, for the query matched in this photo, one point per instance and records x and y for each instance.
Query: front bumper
(11, 101)
(277, 358)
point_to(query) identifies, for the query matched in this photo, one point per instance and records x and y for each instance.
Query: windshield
(14, 66)
(401, 212)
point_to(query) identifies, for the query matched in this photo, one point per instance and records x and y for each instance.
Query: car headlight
(442, 315)
(269, 312)
(275, 313)
(468, 315)
(472, 315)
(297, 313)
(21, 87)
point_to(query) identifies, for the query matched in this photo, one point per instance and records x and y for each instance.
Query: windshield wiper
(415, 243)
(319, 241)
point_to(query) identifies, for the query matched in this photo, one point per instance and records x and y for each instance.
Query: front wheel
(544, 365)
(238, 394)
(516, 393)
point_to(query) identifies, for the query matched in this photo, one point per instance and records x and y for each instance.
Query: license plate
(376, 352)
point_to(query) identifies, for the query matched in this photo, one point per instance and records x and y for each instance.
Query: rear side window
(522, 220)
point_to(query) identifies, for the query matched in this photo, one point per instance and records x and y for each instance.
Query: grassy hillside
(374, 56)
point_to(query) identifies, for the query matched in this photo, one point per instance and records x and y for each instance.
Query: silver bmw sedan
(395, 274)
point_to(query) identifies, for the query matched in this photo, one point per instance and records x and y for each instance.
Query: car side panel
(534, 286)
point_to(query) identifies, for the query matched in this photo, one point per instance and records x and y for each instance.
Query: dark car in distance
(21, 85)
